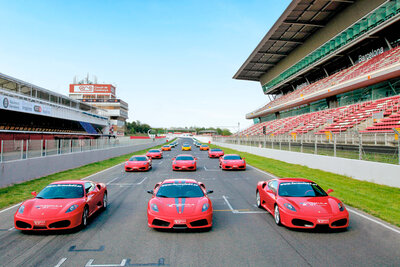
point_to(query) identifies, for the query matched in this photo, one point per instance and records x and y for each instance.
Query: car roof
(231, 155)
(294, 180)
(138, 156)
(184, 155)
(71, 182)
(179, 181)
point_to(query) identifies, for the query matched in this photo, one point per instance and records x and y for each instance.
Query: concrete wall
(17, 171)
(376, 172)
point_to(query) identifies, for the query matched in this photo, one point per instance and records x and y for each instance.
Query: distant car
(166, 148)
(204, 147)
(184, 162)
(61, 205)
(232, 162)
(197, 144)
(301, 203)
(179, 204)
(186, 147)
(173, 144)
(154, 154)
(138, 163)
(215, 153)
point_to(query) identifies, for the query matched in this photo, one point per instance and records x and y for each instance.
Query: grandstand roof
(298, 22)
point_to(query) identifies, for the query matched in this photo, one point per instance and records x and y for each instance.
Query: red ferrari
(232, 162)
(154, 154)
(179, 204)
(184, 162)
(61, 205)
(215, 153)
(138, 163)
(301, 203)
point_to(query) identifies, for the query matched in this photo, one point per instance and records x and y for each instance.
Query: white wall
(376, 172)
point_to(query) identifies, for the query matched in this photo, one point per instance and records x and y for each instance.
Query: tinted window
(184, 190)
(301, 189)
(59, 191)
(184, 158)
(138, 159)
(154, 151)
(216, 149)
(233, 157)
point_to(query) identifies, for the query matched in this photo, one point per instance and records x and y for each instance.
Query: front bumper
(136, 168)
(184, 168)
(295, 220)
(233, 167)
(40, 224)
(191, 222)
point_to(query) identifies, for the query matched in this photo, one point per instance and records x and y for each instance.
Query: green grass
(378, 200)
(19, 192)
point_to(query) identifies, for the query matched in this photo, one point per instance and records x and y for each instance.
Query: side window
(88, 187)
(270, 185)
(275, 186)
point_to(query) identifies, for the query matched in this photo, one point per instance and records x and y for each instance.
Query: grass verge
(19, 192)
(378, 200)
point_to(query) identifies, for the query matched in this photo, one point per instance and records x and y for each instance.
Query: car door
(270, 194)
(90, 196)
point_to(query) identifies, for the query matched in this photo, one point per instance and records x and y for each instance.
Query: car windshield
(184, 158)
(166, 146)
(138, 159)
(204, 145)
(186, 145)
(301, 189)
(60, 191)
(216, 150)
(154, 151)
(183, 190)
(232, 157)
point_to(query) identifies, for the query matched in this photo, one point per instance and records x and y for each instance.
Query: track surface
(119, 236)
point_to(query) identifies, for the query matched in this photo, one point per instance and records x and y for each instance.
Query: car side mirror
(126, 159)
(243, 158)
(150, 192)
(329, 191)
(173, 158)
(210, 191)
(196, 158)
(34, 193)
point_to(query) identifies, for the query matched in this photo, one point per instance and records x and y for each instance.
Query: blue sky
(172, 61)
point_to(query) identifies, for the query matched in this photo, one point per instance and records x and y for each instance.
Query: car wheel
(277, 216)
(84, 217)
(258, 199)
(105, 201)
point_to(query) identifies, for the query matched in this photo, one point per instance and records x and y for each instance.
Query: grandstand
(328, 66)
(29, 112)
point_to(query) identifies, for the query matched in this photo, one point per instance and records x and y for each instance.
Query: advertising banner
(15, 104)
(92, 88)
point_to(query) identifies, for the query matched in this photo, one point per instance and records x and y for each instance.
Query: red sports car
(301, 203)
(179, 204)
(61, 205)
(215, 153)
(184, 162)
(232, 162)
(138, 163)
(154, 154)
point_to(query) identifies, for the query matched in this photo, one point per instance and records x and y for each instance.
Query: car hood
(180, 207)
(313, 206)
(44, 208)
(233, 161)
(136, 163)
(184, 162)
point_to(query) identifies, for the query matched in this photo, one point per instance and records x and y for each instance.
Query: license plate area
(181, 221)
(323, 221)
(39, 223)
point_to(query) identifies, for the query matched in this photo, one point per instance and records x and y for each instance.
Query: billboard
(15, 104)
(92, 88)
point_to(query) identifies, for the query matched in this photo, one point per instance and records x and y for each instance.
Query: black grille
(39, 227)
(179, 226)
(303, 223)
(198, 223)
(25, 225)
(341, 222)
(60, 224)
(158, 222)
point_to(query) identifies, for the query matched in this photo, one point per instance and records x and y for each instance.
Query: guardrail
(26, 149)
(363, 146)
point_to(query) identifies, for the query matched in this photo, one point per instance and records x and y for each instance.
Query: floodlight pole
(398, 143)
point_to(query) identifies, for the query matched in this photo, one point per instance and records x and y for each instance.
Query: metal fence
(24, 149)
(363, 146)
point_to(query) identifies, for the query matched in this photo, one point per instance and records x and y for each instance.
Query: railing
(363, 146)
(25, 149)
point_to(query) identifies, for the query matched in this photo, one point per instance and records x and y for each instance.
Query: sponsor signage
(92, 88)
(15, 104)
(373, 53)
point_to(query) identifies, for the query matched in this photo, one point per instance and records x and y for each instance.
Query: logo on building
(83, 88)
(37, 108)
(5, 102)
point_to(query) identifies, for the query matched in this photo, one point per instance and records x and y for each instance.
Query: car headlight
(289, 206)
(21, 209)
(154, 207)
(341, 206)
(72, 208)
(205, 207)
(225, 162)
(144, 163)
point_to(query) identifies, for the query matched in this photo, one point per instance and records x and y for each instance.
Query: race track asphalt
(248, 236)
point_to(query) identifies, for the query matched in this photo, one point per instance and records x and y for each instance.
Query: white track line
(16, 205)
(61, 262)
(264, 172)
(229, 204)
(87, 177)
(142, 180)
(373, 220)
(89, 264)
(12, 228)
(112, 180)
